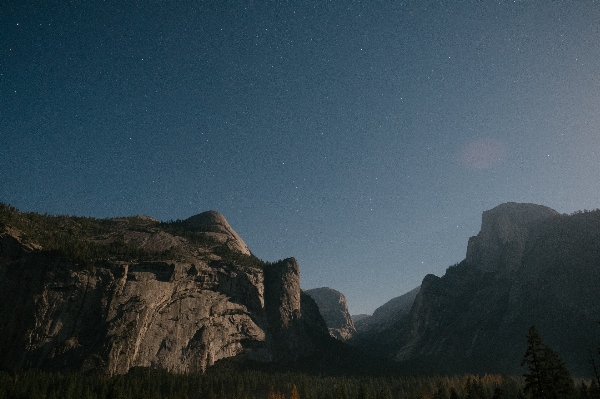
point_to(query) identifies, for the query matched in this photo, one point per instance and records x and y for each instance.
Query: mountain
(359, 317)
(387, 314)
(108, 295)
(334, 309)
(529, 265)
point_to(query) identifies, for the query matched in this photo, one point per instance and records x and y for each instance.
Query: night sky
(363, 138)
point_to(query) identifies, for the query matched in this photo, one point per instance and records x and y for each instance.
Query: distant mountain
(387, 314)
(112, 294)
(528, 265)
(359, 317)
(334, 309)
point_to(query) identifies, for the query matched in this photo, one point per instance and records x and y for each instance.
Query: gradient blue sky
(364, 138)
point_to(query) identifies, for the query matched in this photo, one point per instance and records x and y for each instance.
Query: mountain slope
(388, 313)
(109, 295)
(334, 309)
(528, 266)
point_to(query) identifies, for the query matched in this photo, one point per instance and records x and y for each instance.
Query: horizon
(291, 256)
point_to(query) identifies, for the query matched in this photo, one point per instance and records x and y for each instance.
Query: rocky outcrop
(528, 266)
(292, 316)
(334, 309)
(500, 244)
(214, 225)
(180, 314)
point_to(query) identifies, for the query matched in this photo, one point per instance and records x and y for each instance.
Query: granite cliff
(504, 234)
(108, 295)
(529, 265)
(334, 309)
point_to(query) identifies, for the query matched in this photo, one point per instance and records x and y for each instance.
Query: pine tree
(441, 393)
(594, 390)
(294, 394)
(548, 376)
(533, 359)
(560, 383)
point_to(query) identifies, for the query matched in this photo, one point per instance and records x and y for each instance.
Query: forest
(231, 384)
(545, 377)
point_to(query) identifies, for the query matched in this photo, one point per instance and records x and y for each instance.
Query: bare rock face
(334, 309)
(218, 229)
(180, 314)
(504, 233)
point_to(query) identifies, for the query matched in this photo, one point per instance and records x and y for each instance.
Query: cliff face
(334, 309)
(528, 266)
(505, 231)
(182, 314)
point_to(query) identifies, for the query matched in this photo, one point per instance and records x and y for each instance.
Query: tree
(594, 390)
(441, 393)
(294, 394)
(548, 376)
(560, 381)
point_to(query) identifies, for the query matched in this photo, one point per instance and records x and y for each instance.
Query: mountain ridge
(107, 295)
(529, 265)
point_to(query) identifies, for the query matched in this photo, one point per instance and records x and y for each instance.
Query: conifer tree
(547, 376)
(294, 394)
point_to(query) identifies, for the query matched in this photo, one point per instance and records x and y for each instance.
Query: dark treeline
(155, 384)
(248, 384)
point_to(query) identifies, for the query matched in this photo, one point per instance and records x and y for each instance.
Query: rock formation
(504, 233)
(216, 227)
(109, 295)
(528, 266)
(334, 309)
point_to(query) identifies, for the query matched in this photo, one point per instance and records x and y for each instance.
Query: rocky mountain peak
(208, 218)
(334, 309)
(97, 304)
(504, 232)
(217, 228)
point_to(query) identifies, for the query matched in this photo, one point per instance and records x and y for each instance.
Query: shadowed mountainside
(528, 266)
(387, 314)
(334, 309)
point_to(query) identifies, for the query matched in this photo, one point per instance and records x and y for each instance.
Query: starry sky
(363, 138)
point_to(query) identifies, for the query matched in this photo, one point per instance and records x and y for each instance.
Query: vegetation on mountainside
(196, 237)
(84, 240)
(81, 239)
